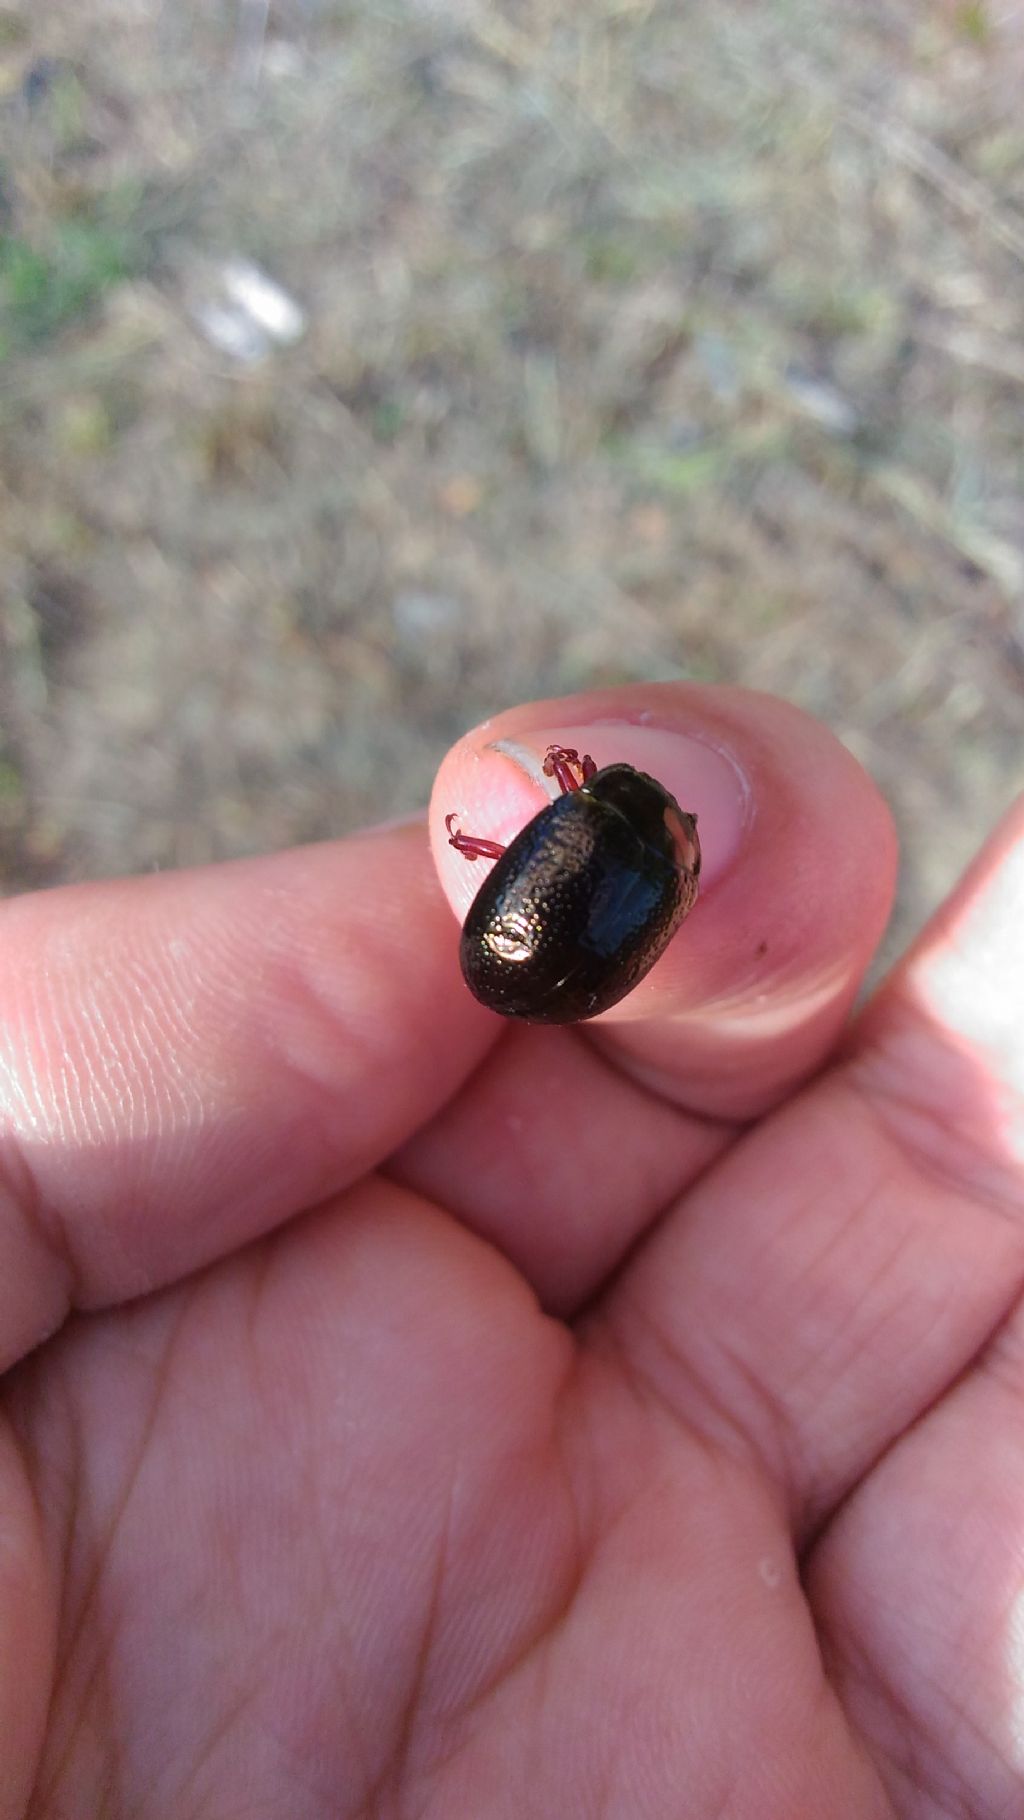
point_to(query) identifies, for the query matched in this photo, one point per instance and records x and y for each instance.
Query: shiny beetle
(584, 900)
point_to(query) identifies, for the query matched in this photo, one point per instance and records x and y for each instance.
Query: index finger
(188, 1059)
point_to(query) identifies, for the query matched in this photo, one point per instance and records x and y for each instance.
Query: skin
(407, 1413)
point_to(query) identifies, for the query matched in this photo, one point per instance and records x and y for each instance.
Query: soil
(631, 340)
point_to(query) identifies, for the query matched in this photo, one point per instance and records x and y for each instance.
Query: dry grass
(644, 340)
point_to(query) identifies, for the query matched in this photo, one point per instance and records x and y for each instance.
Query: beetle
(586, 897)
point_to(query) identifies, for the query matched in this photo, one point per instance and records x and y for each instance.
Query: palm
(628, 1470)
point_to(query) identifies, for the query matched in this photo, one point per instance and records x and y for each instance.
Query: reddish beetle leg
(565, 764)
(561, 762)
(469, 845)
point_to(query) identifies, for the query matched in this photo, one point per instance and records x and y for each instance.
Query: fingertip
(940, 1046)
(492, 787)
(797, 883)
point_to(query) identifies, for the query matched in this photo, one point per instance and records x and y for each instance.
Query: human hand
(411, 1413)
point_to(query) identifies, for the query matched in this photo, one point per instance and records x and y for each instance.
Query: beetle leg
(469, 845)
(565, 764)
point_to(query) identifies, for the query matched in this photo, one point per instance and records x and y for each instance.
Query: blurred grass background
(638, 339)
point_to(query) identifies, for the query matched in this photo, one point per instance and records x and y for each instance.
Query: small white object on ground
(251, 315)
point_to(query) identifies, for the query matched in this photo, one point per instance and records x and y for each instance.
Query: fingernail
(704, 778)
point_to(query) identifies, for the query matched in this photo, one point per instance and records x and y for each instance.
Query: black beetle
(584, 900)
